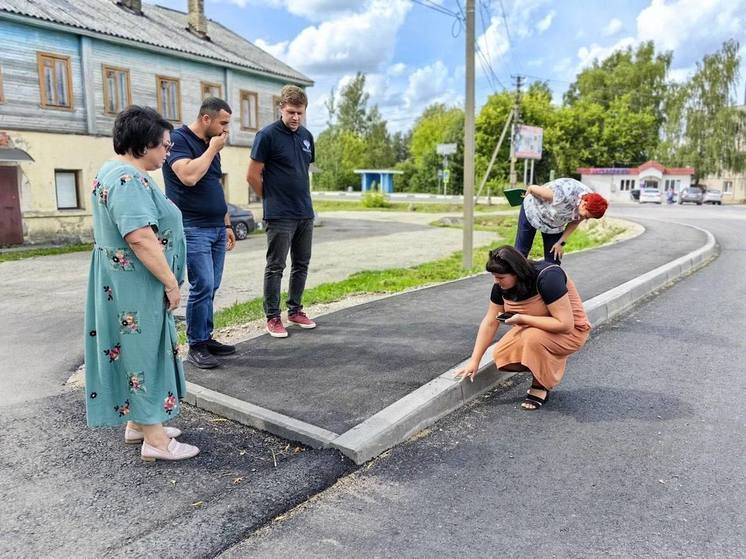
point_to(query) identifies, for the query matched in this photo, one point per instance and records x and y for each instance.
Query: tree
(438, 124)
(639, 75)
(352, 111)
(711, 121)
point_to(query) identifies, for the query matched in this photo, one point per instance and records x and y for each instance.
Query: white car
(650, 195)
(713, 196)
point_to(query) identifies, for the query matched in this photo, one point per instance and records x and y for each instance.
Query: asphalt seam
(444, 394)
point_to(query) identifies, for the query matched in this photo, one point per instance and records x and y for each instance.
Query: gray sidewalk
(362, 359)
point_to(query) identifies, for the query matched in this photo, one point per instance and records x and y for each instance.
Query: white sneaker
(175, 451)
(132, 436)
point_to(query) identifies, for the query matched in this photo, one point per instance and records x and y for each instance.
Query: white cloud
(546, 22)
(612, 28)
(691, 23)
(493, 43)
(313, 10)
(348, 42)
(587, 55)
(397, 69)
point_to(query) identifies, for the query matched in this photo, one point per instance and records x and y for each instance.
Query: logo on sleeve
(306, 146)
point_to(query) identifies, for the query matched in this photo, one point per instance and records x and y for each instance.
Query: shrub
(374, 199)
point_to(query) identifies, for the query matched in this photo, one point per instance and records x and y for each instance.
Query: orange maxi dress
(543, 353)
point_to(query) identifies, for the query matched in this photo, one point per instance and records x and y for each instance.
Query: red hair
(595, 204)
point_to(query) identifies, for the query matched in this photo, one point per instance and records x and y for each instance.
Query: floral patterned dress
(552, 217)
(133, 371)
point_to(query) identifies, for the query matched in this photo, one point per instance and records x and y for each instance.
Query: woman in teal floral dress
(133, 372)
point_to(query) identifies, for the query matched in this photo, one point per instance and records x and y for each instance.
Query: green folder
(515, 196)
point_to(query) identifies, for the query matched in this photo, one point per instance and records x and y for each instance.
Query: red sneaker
(301, 319)
(276, 329)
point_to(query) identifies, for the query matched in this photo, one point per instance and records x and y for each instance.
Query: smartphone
(502, 317)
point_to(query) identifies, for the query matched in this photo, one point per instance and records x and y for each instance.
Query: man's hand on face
(218, 142)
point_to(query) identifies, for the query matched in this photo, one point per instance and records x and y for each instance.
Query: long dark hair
(507, 260)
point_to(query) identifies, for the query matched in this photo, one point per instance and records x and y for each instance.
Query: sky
(413, 51)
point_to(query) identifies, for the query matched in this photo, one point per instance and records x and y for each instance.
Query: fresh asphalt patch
(69, 491)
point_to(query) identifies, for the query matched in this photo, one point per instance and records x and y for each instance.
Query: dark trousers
(286, 235)
(524, 238)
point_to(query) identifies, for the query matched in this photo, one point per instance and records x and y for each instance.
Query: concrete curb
(444, 394)
(258, 417)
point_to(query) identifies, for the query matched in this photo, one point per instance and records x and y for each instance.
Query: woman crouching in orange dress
(548, 322)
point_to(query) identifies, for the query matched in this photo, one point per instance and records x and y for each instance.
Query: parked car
(653, 195)
(693, 195)
(713, 196)
(243, 221)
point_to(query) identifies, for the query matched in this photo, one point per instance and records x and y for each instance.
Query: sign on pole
(528, 140)
(445, 149)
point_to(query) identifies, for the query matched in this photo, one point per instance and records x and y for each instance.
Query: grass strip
(396, 280)
(45, 251)
(421, 207)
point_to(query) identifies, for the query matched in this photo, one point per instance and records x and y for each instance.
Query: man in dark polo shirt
(193, 182)
(278, 173)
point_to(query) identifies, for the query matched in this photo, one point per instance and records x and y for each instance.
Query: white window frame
(58, 174)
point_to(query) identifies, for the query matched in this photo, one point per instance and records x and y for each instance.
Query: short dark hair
(211, 106)
(137, 129)
(507, 260)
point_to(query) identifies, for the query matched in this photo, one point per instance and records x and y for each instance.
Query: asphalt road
(639, 452)
(656, 396)
(43, 303)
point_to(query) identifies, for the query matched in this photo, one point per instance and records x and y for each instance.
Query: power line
(436, 8)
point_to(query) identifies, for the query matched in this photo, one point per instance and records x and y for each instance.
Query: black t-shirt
(551, 285)
(201, 205)
(287, 156)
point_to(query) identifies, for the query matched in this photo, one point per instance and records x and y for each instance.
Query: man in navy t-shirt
(193, 182)
(278, 173)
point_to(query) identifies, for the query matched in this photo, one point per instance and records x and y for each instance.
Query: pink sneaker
(301, 319)
(175, 451)
(276, 329)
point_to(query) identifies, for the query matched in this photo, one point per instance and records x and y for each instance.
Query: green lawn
(395, 280)
(422, 207)
(47, 251)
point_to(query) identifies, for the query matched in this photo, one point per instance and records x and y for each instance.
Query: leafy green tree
(437, 124)
(352, 110)
(711, 120)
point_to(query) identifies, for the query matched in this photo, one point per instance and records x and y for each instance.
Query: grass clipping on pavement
(590, 234)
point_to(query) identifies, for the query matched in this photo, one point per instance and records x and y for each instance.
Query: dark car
(243, 221)
(693, 195)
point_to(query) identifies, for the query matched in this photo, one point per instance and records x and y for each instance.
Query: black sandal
(535, 401)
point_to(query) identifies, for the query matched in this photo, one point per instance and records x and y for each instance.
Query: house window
(210, 89)
(169, 98)
(276, 114)
(727, 187)
(55, 81)
(117, 94)
(2, 90)
(249, 111)
(66, 186)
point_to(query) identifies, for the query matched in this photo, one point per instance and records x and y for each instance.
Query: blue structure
(377, 179)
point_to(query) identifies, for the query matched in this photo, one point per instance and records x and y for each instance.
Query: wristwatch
(229, 226)
(562, 243)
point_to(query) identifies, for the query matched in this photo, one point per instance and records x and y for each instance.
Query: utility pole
(516, 122)
(469, 139)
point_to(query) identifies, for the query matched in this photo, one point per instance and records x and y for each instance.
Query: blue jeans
(524, 238)
(286, 235)
(205, 258)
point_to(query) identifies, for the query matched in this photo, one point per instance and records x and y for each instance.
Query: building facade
(617, 183)
(69, 66)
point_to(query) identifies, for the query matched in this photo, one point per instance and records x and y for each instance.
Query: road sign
(446, 149)
(528, 140)
(446, 175)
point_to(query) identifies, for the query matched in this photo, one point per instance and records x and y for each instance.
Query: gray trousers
(285, 236)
